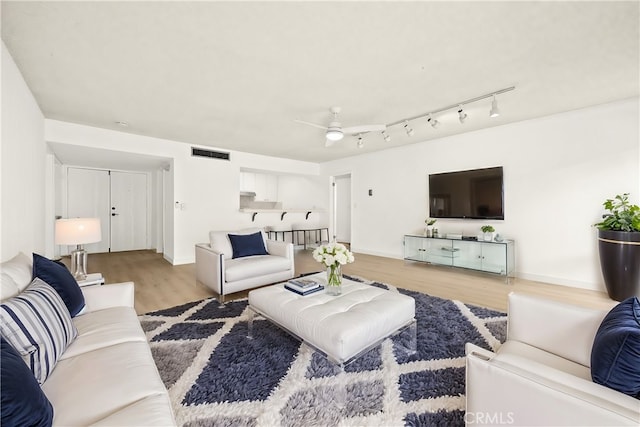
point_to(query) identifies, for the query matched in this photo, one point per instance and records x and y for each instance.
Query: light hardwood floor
(160, 285)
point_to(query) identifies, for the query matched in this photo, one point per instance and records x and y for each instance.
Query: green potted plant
(429, 229)
(619, 247)
(488, 231)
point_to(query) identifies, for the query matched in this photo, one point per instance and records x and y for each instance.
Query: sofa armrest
(108, 296)
(283, 249)
(210, 267)
(517, 391)
(565, 330)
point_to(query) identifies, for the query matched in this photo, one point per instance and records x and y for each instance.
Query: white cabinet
(493, 257)
(264, 185)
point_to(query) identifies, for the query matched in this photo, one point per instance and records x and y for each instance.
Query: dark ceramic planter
(620, 262)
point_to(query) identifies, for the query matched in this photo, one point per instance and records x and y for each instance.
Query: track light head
(433, 122)
(408, 129)
(360, 141)
(462, 116)
(386, 136)
(495, 111)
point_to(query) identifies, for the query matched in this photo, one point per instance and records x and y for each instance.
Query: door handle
(114, 214)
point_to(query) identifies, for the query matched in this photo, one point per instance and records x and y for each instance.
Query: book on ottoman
(303, 293)
(303, 285)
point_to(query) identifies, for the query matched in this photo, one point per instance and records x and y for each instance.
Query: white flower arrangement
(333, 254)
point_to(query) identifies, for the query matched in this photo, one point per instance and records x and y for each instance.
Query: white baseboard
(562, 282)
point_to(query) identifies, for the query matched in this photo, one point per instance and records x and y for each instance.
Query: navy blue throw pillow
(247, 245)
(61, 280)
(615, 356)
(23, 402)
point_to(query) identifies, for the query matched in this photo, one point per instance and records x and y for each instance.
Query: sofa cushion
(16, 276)
(38, 325)
(219, 240)
(254, 266)
(103, 328)
(247, 244)
(61, 280)
(615, 356)
(96, 385)
(23, 402)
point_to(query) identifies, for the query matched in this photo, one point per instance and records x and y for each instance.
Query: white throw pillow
(38, 325)
(15, 275)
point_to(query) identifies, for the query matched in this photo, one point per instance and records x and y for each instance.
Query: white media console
(492, 257)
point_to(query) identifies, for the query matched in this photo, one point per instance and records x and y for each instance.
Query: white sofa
(541, 374)
(217, 269)
(106, 376)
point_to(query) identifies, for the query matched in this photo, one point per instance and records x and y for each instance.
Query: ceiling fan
(335, 131)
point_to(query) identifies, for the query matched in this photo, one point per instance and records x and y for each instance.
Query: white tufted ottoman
(342, 327)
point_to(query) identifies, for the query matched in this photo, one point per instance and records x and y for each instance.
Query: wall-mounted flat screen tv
(476, 193)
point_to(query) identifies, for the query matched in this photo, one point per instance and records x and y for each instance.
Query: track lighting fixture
(386, 136)
(407, 128)
(495, 111)
(433, 122)
(360, 141)
(462, 116)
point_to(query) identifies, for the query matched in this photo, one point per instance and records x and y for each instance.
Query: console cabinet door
(494, 258)
(467, 255)
(414, 248)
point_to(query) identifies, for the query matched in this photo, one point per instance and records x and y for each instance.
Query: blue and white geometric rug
(216, 377)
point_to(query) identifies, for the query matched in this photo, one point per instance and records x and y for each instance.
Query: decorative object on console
(488, 231)
(429, 229)
(615, 356)
(78, 231)
(619, 247)
(333, 256)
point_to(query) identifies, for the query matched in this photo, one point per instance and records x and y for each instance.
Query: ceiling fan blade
(311, 124)
(354, 130)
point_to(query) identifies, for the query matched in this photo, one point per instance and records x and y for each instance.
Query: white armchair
(541, 375)
(217, 269)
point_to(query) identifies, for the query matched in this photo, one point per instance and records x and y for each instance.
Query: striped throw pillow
(38, 325)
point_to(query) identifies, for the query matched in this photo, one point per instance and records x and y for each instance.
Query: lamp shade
(78, 231)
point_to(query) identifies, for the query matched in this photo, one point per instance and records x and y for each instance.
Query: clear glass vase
(334, 279)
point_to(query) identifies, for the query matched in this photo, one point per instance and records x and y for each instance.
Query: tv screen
(467, 194)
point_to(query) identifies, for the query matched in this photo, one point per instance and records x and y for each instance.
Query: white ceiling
(234, 75)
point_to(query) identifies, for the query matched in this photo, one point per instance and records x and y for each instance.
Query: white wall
(23, 155)
(557, 172)
(206, 189)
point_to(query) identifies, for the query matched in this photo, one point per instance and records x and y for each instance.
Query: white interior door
(88, 197)
(128, 211)
(342, 200)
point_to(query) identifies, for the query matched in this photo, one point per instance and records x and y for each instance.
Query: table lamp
(78, 231)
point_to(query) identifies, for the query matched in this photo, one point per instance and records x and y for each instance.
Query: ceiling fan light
(495, 111)
(334, 134)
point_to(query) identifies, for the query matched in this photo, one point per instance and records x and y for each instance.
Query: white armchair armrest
(108, 296)
(209, 267)
(515, 390)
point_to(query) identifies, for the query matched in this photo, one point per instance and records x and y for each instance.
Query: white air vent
(199, 152)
